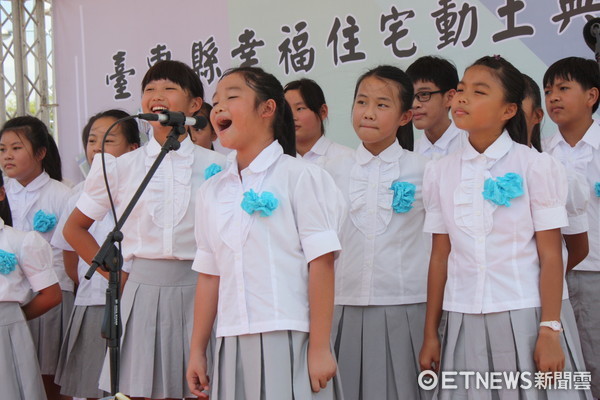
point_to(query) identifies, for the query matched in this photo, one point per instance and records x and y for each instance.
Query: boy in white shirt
(434, 80)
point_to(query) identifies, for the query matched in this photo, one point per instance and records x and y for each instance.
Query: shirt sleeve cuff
(205, 263)
(42, 279)
(90, 208)
(320, 243)
(434, 223)
(577, 224)
(550, 218)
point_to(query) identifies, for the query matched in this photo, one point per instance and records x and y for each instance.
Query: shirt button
(481, 267)
(477, 212)
(480, 240)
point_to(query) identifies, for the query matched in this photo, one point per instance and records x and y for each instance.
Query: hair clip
(497, 56)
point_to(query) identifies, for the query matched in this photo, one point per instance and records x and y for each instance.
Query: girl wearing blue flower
(158, 296)
(495, 210)
(25, 266)
(381, 274)
(30, 159)
(266, 232)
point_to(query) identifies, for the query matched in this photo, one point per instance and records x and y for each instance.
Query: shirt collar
(1, 224)
(186, 147)
(389, 155)
(321, 146)
(495, 151)
(262, 162)
(34, 185)
(591, 137)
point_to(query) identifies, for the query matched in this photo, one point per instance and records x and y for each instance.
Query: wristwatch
(554, 325)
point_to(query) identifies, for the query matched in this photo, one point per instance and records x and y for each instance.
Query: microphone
(591, 35)
(172, 118)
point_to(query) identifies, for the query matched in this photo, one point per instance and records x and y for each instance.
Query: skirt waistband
(10, 312)
(163, 272)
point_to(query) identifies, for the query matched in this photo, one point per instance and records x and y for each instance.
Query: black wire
(105, 175)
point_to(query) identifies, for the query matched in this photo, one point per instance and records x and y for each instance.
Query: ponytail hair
(266, 87)
(36, 132)
(513, 85)
(532, 90)
(405, 88)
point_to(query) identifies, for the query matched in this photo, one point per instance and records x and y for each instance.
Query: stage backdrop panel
(103, 48)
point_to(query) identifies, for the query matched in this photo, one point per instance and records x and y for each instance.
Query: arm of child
(548, 354)
(46, 299)
(321, 363)
(429, 357)
(77, 235)
(71, 259)
(205, 311)
(577, 247)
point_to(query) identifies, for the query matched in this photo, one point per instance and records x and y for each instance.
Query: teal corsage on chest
(266, 203)
(404, 196)
(8, 262)
(597, 189)
(212, 170)
(43, 222)
(503, 189)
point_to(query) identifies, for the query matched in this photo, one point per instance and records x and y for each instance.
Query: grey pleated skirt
(82, 354)
(584, 292)
(377, 348)
(266, 366)
(48, 331)
(157, 316)
(20, 377)
(505, 341)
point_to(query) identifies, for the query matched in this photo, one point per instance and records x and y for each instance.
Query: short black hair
(434, 69)
(177, 72)
(311, 93)
(577, 69)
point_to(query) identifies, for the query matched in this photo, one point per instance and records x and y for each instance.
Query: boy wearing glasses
(435, 80)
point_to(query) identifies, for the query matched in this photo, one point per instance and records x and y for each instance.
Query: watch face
(555, 325)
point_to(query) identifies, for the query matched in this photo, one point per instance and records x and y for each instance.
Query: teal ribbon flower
(8, 262)
(404, 196)
(503, 189)
(266, 203)
(43, 222)
(597, 189)
(212, 170)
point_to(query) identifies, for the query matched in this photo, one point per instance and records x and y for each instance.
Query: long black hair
(36, 132)
(266, 87)
(130, 128)
(312, 94)
(405, 86)
(4, 206)
(532, 90)
(513, 86)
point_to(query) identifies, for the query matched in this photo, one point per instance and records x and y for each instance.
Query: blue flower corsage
(8, 262)
(265, 203)
(211, 170)
(404, 196)
(43, 222)
(503, 189)
(597, 189)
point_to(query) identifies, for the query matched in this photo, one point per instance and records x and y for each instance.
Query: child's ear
(268, 108)
(196, 104)
(448, 96)
(592, 96)
(538, 116)
(41, 154)
(406, 117)
(323, 111)
(510, 111)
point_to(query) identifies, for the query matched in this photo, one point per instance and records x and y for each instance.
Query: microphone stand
(110, 259)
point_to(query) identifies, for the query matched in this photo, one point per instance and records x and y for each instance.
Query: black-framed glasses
(425, 95)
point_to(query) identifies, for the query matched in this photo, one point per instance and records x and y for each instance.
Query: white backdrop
(103, 48)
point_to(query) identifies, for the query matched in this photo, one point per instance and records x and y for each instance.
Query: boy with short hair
(435, 80)
(572, 89)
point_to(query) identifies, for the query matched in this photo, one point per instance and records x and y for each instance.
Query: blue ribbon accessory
(597, 189)
(8, 262)
(266, 203)
(503, 189)
(212, 170)
(43, 222)
(404, 196)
